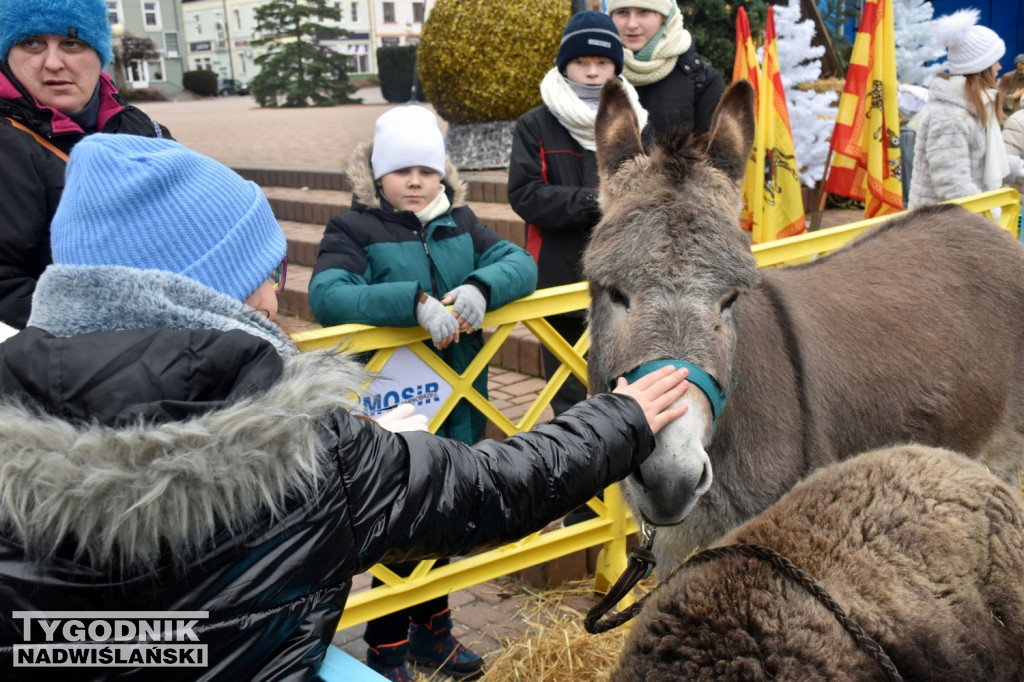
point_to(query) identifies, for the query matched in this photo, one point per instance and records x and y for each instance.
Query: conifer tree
(297, 70)
(917, 50)
(712, 23)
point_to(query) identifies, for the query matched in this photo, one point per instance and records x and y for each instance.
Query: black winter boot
(389, 661)
(434, 645)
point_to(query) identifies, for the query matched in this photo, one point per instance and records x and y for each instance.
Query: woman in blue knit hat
(165, 450)
(53, 92)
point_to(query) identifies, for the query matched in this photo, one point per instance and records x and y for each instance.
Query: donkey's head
(665, 265)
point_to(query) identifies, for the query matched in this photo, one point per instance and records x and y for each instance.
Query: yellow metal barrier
(614, 523)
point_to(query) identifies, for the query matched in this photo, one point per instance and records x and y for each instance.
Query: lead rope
(642, 562)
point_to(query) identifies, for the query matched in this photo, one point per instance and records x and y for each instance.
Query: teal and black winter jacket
(374, 261)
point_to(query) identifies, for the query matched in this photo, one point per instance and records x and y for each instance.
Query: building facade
(159, 21)
(219, 35)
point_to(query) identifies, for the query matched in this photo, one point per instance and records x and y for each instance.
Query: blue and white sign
(405, 378)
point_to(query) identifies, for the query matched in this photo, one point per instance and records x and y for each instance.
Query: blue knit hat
(153, 204)
(590, 34)
(85, 20)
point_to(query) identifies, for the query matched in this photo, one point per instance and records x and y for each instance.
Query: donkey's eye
(618, 298)
(727, 303)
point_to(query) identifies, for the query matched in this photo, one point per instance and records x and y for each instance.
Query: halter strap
(698, 377)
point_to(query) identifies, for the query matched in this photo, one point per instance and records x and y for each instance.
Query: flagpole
(822, 196)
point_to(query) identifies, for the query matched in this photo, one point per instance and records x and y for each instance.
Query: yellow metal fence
(613, 523)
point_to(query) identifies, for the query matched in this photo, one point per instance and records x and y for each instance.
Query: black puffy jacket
(32, 180)
(195, 470)
(690, 92)
(553, 185)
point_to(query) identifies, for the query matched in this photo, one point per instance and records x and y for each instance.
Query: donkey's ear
(732, 131)
(617, 133)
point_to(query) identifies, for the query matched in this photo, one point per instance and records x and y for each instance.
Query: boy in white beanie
(959, 147)
(408, 247)
(674, 83)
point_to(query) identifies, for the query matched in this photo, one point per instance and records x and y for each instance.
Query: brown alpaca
(912, 333)
(922, 547)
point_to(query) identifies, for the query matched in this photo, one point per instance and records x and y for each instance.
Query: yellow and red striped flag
(746, 67)
(865, 142)
(781, 211)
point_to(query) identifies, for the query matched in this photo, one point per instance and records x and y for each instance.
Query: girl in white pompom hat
(959, 148)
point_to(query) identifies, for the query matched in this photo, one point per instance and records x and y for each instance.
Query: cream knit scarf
(675, 41)
(575, 114)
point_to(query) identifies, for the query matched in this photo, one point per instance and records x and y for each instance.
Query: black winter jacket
(196, 470)
(553, 185)
(32, 180)
(690, 92)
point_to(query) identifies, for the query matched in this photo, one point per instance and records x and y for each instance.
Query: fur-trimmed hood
(127, 494)
(364, 189)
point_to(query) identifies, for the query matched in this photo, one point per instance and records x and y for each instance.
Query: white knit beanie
(969, 48)
(663, 7)
(404, 137)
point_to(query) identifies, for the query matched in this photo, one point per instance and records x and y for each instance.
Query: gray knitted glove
(435, 318)
(469, 303)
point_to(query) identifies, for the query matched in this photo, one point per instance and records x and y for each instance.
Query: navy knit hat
(153, 204)
(85, 20)
(590, 34)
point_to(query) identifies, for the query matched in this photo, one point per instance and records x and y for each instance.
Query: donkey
(911, 333)
(920, 547)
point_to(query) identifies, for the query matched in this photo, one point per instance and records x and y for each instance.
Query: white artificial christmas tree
(812, 115)
(917, 48)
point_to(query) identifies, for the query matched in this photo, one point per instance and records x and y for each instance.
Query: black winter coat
(32, 180)
(196, 470)
(553, 185)
(690, 92)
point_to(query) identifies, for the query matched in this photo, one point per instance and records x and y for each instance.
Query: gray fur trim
(120, 493)
(76, 299)
(364, 187)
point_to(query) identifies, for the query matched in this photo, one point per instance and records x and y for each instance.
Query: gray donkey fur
(912, 333)
(921, 547)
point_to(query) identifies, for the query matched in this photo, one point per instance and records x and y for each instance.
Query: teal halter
(698, 377)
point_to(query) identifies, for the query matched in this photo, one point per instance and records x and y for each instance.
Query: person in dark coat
(53, 93)
(552, 174)
(166, 448)
(675, 84)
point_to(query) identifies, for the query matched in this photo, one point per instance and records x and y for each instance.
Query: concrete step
(316, 207)
(490, 186)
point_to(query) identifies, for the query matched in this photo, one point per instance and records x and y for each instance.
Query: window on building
(389, 41)
(198, 26)
(151, 14)
(389, 12)
(155, 68)
(355, 12)
(114, 12)
(172, 48)
(417, 12)
(238, 19)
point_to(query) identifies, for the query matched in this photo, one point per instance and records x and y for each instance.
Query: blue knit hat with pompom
(85, 20)
(154, 204)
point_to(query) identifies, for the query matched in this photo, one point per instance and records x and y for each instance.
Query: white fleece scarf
(997, 165)
(438, 207)
(575, 114)
(675, 41)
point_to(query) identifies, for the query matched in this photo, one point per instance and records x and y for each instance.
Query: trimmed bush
(202, 82)
(396, 67)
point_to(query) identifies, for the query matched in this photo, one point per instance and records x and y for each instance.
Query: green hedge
(202, 82)
(396, 67)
